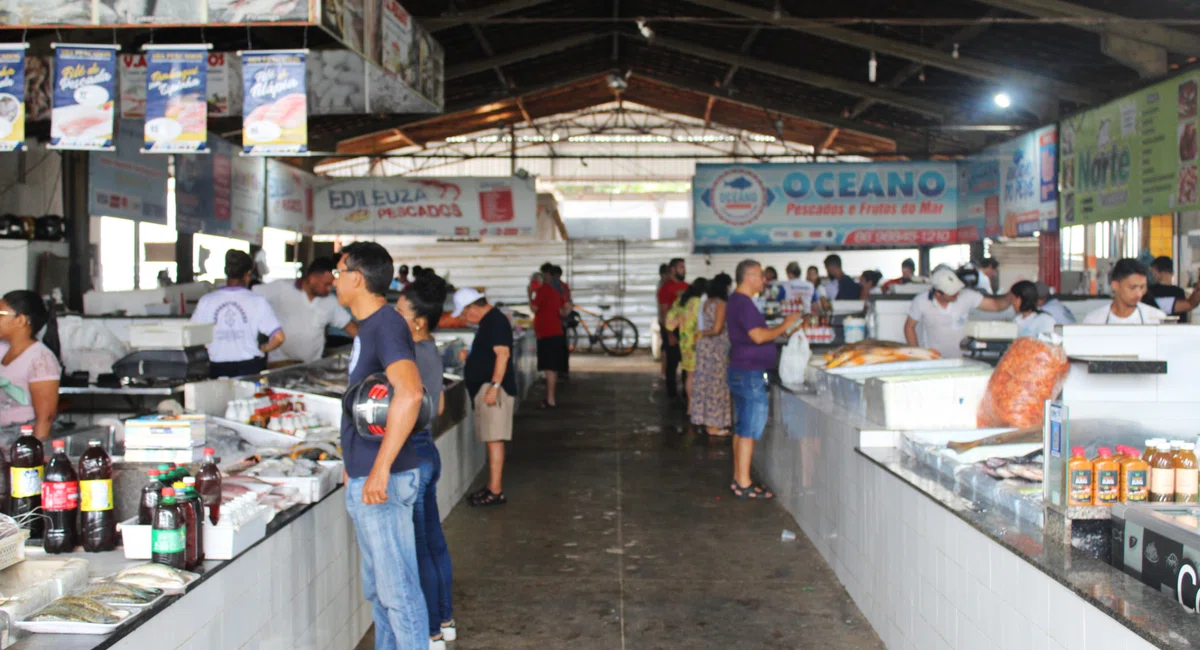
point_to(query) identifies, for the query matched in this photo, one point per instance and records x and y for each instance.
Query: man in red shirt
(549, 307)
(668, 293)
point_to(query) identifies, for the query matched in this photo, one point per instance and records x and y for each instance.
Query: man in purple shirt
(752, 354)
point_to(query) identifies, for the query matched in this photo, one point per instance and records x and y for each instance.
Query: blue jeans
(433, 557)
(751, 402)
(391, 581)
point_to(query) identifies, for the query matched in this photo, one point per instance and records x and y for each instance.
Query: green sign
(1133, 157)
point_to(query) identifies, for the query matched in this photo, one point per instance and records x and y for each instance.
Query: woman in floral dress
(711, 405)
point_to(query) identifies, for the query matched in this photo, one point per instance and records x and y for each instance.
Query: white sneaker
(450, 632)
(440, 644)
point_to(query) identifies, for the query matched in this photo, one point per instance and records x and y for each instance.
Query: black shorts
(552, 353)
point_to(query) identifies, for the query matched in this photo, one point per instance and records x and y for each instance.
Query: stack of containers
(175, 439)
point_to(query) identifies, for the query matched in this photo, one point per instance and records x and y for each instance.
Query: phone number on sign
(898, 237)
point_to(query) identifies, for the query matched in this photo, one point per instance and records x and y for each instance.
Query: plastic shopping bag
(1030, 372)
(794, 360)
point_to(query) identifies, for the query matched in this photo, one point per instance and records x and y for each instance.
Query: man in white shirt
(989, 275)
(797, 288)
(238, 316)
(306, 307)
(1128, 281)
(938, 319)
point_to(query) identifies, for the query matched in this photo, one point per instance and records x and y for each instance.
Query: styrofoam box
(221, 542)
(312, 488)
(169, 335)
(938, 402)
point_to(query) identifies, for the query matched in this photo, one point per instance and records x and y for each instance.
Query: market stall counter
(935, 559)
(299, 585)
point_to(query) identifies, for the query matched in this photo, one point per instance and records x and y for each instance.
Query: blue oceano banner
(817, 204)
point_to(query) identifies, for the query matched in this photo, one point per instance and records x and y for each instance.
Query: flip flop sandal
(489, 498)
(747, 492)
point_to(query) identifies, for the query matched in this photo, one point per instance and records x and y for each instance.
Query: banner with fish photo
(274, 103)
(85, 79)
(176, 99)
(12, 96)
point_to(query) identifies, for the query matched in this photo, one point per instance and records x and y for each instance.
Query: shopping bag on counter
(794, 360)
(1030, 372)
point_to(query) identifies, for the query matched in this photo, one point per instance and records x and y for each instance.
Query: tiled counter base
(930, 571)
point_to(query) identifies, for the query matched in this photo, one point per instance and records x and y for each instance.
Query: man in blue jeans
(383, 474)
(752, 354)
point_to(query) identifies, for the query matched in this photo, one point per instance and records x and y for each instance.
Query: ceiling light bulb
(921, 77)
(872, 68)
(1003, 100)
(955, 52)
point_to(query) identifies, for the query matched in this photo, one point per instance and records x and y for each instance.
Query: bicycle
(617, 336)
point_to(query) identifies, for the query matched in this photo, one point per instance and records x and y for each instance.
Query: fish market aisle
(620, 532)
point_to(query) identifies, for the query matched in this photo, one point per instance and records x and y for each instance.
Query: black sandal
(547, 405)
(762, 491)
(748, 492)
(488, 498)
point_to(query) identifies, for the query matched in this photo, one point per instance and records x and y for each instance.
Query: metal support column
(923, 266)
(79, 226)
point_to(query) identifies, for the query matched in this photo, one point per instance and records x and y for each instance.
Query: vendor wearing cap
(238, 316)
(938, 319)
(1128, 281)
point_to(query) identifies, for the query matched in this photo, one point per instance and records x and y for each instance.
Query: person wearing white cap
(492, 384)
(937, 319)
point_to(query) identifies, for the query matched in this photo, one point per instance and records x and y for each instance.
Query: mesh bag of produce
(1030, 372)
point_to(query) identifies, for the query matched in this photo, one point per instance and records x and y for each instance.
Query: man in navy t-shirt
(383, 475)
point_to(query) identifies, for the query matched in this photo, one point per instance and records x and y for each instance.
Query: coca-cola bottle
(149, 499)
(60, 502)
(97, 521)
(28, 467)
(208, 484)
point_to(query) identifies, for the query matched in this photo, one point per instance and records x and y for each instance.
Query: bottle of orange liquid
(1134, 479)
(1119, 454)
(1186, 474)
(1162, 473)
(1079, 479)
(1108, 478)
(1151, 446)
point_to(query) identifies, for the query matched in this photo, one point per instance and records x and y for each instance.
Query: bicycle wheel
(618, 336)
(574, 338)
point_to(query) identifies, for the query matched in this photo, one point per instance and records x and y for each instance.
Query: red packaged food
(1030, 373)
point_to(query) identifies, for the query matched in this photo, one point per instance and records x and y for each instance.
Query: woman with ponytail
(29, 369)
(1030, 320)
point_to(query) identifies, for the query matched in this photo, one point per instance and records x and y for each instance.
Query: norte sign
(805, 205)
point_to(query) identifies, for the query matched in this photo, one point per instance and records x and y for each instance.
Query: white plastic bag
(794, 360)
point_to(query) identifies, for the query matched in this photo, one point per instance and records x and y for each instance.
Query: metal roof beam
(441, 23)
(788, 110)
(1172, 40)
(964, 65)
(913, 69)
(501, 60)
(928, 108)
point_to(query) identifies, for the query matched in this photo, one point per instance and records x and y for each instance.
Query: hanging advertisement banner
(132, 74)
(806, 205)
(124, 183)
(289, 197)
(12, 96)
(1010, 189)
(84, 88)
(397, 38)
(176, 109)
(202, 198)
(274, 102)
(1133, 157)
(451, 207)
(248, 195)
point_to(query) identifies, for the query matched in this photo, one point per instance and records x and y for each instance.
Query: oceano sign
(900, 184)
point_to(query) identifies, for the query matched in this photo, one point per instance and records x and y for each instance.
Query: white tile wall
(923, 578)
(301, 588)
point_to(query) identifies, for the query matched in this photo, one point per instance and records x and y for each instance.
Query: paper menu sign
(176, 105)
(274, 102)
(12, 97)
(83, 93)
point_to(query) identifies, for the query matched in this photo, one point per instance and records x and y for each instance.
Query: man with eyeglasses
(382, 476)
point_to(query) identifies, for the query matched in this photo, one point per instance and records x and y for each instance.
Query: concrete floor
(620, 532)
